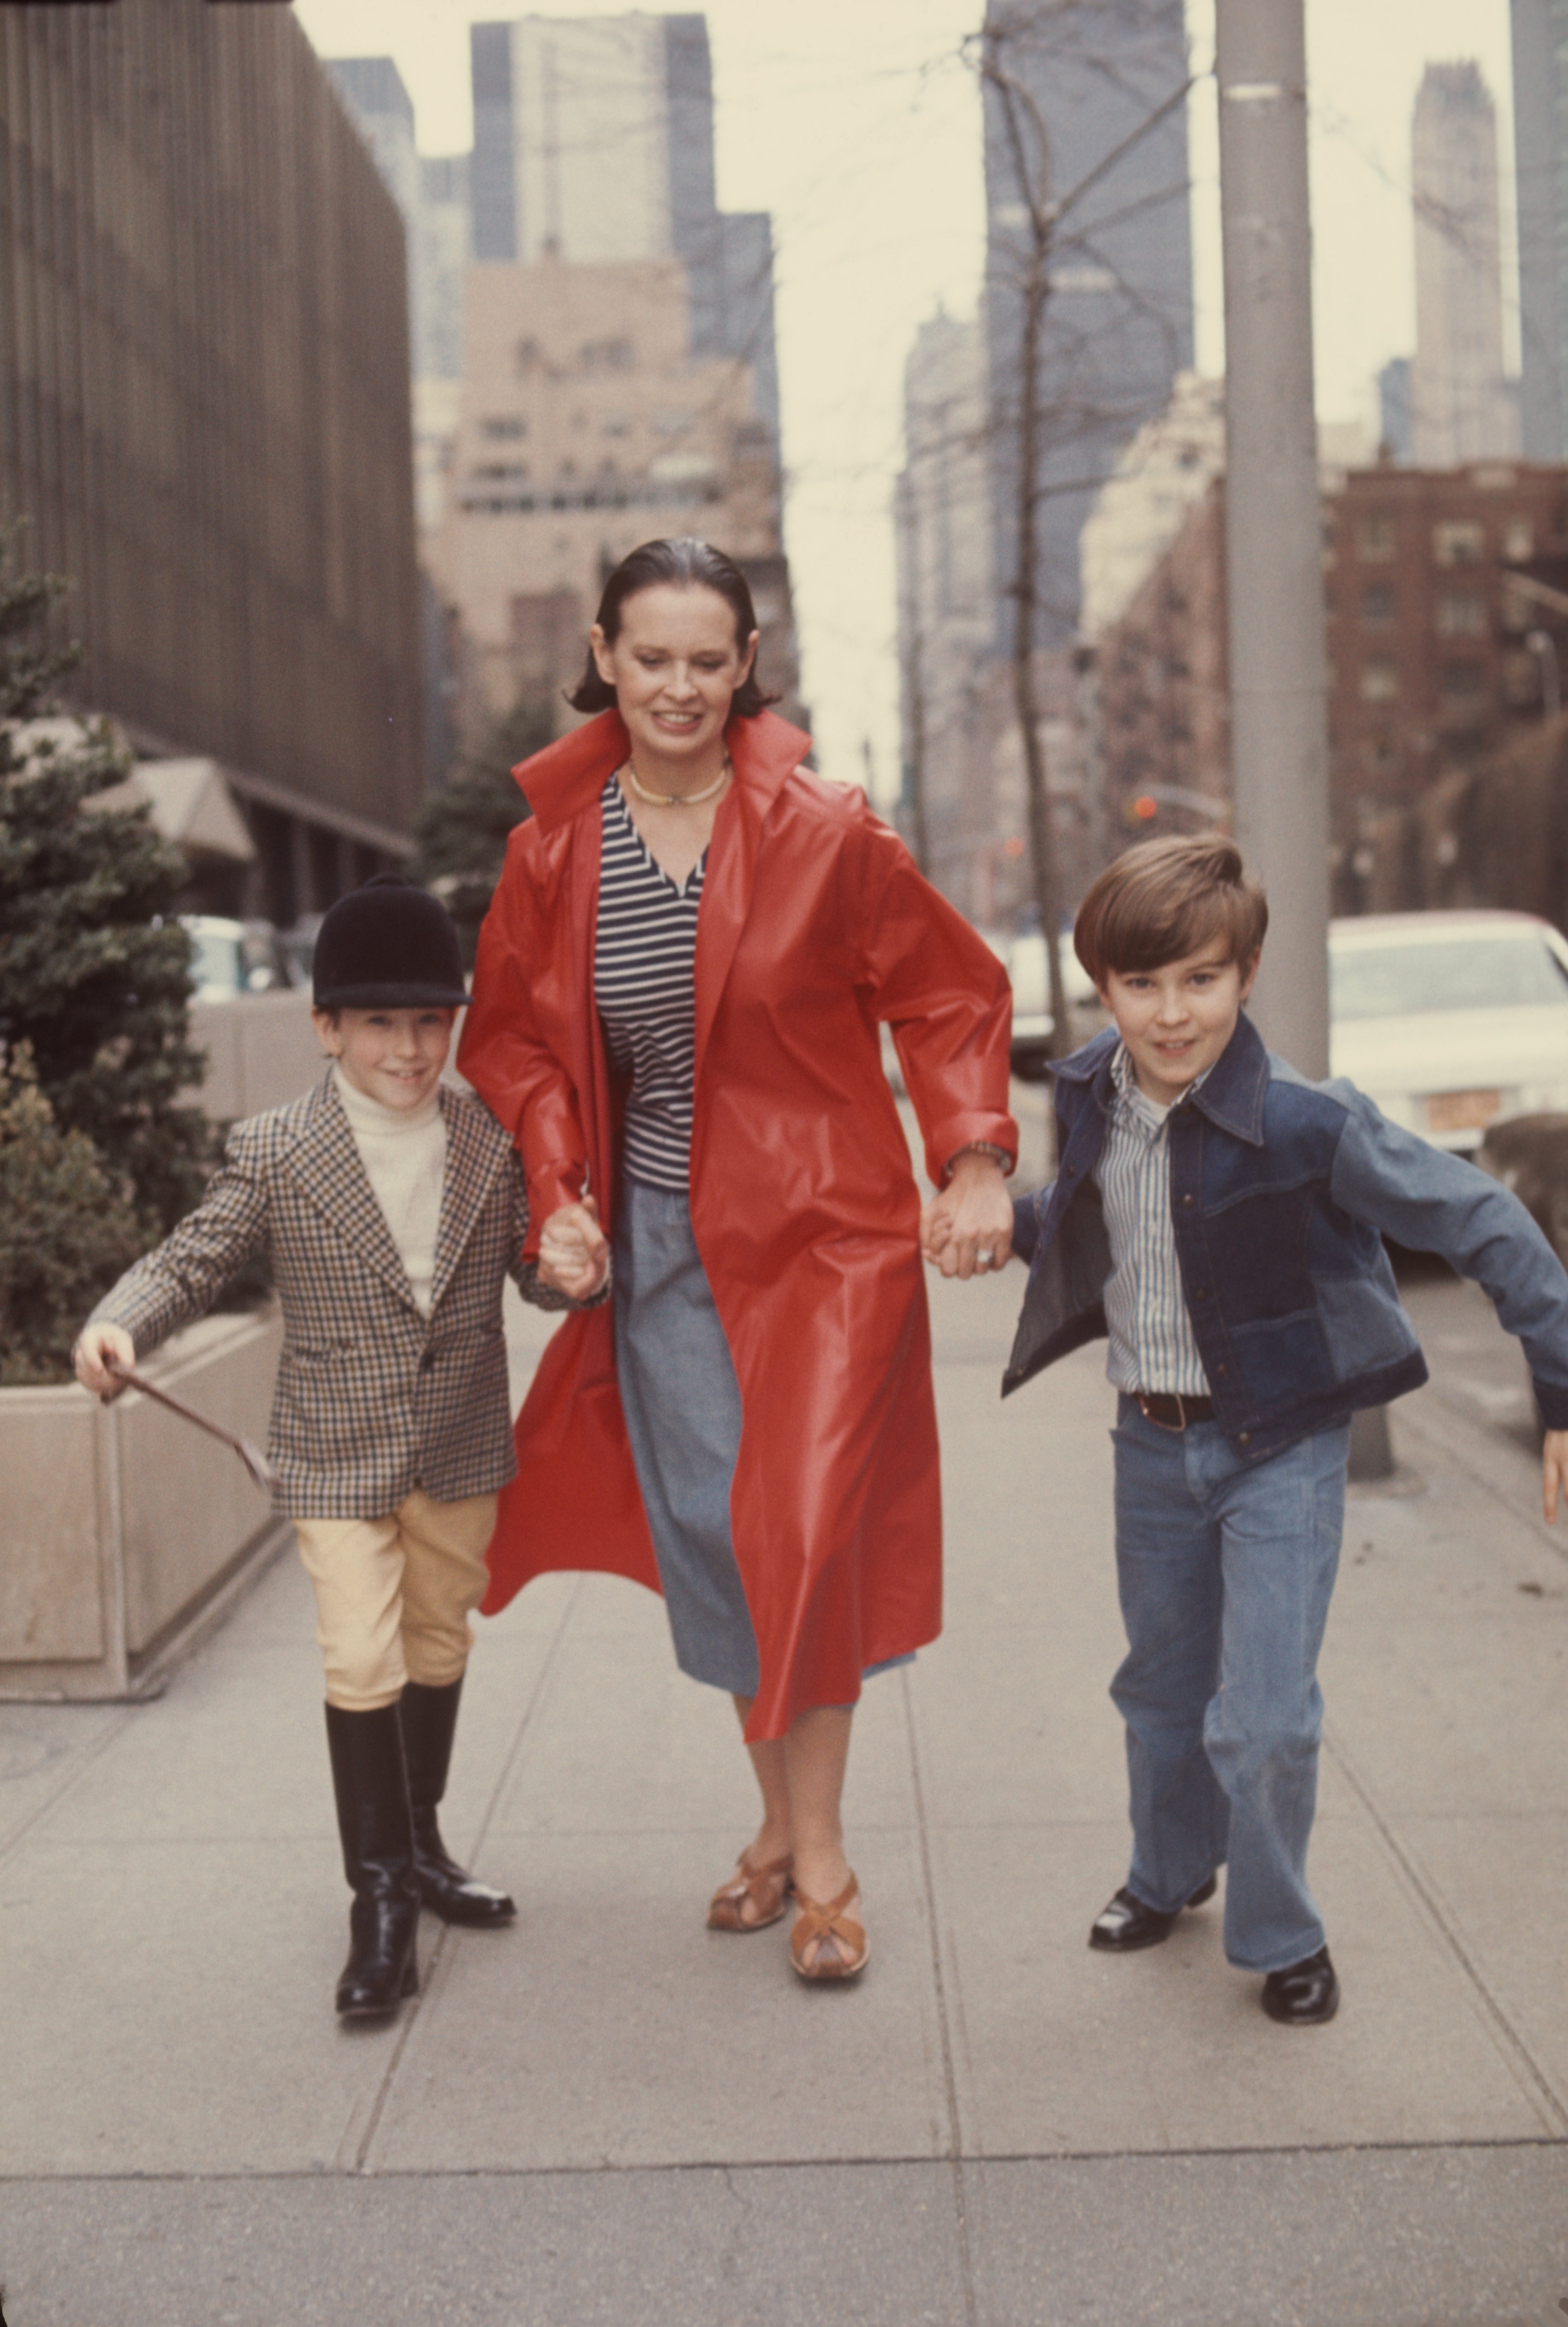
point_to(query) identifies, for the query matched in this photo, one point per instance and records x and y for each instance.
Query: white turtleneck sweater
(405, 1160)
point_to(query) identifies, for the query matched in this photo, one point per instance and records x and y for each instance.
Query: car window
(1387, 981)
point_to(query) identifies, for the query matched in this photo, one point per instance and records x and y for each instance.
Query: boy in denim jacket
(1221, 1219)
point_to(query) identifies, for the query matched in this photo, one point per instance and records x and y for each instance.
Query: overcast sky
(856, 124)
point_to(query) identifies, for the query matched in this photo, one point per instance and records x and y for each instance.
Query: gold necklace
(678, 799)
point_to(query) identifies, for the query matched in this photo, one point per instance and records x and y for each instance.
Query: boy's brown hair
(1166, 898)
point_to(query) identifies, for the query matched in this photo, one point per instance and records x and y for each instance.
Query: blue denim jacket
(1281, 1193)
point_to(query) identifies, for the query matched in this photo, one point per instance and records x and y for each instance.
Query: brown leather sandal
(767, 1888)
(839, 1937)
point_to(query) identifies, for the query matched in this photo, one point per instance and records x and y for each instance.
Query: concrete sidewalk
(608, 2114)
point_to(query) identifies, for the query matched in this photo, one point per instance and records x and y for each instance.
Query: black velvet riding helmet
(388, 946)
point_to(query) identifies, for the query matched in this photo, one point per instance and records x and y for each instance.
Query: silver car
(1451, 1022)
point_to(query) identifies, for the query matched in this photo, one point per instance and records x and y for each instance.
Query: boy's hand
(1554, 1470)
(966, 1230)
(573, 1254)
(94, 1345)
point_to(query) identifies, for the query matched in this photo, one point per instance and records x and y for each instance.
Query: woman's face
(674, 663)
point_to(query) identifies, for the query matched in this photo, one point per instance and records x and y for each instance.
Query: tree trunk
(1025, 592)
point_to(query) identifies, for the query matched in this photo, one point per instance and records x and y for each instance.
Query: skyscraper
(1462, 409)
(1394, 427)
(619, 379)
(1540, 29)
(1099, 128)
(432, 196)
(594, 143)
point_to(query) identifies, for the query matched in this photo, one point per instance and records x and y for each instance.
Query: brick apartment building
(1439, 646)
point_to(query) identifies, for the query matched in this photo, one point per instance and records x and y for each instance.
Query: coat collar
(1231, 1094)
(565, 780)
(326, 1162)
(569, 775)
(1236, 1085)
(476, 1149)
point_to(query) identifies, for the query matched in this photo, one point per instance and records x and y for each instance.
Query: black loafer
(1127, 1924)
(1304, 1994)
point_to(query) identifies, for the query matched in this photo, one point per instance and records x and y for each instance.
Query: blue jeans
(1225, 1573)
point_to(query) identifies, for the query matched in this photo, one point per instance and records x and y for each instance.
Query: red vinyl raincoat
(814, 927)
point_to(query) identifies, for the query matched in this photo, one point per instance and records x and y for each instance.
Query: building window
(1518, 612)
(617, 424)
(608, 355)
(1461, 615)
(1463, 682)
(671, 424)
(500, 471)
(1518, 540)
(1379, 682)
(509, 426)
(1521, 681)
(1459, 541)
(531, 355)
(1376, 540)
(1377, 604)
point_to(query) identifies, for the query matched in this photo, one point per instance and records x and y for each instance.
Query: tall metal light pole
(1274, 556)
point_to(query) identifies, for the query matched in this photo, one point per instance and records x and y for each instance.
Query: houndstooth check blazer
(372, 1398)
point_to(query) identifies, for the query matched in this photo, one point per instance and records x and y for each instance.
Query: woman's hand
(574, 1256)
(95, 1344)
(1554, 1470)
(968, 1230)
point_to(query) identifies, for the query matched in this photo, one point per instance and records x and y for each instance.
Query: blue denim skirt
(683, 1416)
(682, 1404)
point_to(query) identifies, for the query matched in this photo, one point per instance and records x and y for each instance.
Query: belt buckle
(1179, 1426)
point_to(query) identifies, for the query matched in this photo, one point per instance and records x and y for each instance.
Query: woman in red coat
(676, 1012)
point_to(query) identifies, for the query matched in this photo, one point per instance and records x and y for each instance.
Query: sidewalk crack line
(949, 2074)
(410, 2018)
(1537, 2085)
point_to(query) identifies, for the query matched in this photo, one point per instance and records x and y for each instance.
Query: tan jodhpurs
(394, 1595)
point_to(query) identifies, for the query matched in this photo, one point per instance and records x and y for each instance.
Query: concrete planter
(124, 1532)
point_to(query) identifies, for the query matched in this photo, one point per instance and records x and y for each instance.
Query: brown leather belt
(1170, 1411)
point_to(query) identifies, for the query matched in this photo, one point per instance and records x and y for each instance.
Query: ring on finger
(984, 1259)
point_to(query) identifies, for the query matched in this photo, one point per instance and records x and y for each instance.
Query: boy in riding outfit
(1221, 1219)
(391, 1208)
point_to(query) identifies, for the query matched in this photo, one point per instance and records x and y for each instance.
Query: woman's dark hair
(687, 563)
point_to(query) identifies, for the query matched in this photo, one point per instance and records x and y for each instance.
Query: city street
(608, 2114)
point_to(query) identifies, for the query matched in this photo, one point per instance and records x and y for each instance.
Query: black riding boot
(372, 1794)
(429, 1717)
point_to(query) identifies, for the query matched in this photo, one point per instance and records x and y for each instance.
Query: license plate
(1462, 1110)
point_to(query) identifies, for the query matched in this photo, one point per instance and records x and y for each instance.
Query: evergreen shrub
(95, 984)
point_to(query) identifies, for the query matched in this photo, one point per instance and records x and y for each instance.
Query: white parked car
(1031, 1019)
(1450, 1022)
(233, 957)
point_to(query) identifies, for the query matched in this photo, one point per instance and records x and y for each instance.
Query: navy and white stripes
(1152, 1339)
(644, 971)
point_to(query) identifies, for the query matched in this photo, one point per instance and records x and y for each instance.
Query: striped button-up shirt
(1153, 1345)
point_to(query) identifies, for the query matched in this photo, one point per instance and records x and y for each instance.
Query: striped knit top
(644, 974)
